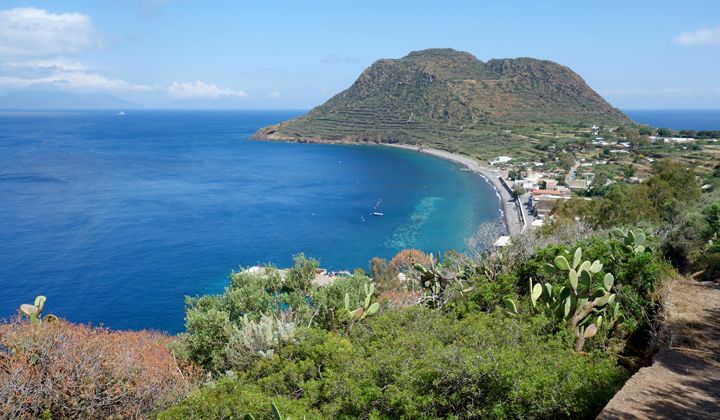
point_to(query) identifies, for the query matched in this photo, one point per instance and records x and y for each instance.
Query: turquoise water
(115, 219)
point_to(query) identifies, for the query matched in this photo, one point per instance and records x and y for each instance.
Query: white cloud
(703, 36)
(274, 95)
(199, 89)
(62, 73)
(73, 75)
(58, 64)
(74, 80)
(28, 31)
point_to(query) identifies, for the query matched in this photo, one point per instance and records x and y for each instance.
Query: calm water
(677, 119)
(116, 219)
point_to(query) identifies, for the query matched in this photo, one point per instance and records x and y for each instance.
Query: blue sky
(275, 54)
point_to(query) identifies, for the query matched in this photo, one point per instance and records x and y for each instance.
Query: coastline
(509, 210)
(510, 213)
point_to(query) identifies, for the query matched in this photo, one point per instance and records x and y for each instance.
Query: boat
(377, 213)
(121, 113)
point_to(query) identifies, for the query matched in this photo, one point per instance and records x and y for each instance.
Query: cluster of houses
(543, 200)
(544, 191)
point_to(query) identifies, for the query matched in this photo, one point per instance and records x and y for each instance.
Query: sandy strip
(508, 208)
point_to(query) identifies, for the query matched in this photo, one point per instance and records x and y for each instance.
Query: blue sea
(677, 119)
(117, 218)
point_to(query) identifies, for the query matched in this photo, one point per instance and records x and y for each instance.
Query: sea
(116, 218)
(706, 119)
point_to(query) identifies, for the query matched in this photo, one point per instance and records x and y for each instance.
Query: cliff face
(449, 95)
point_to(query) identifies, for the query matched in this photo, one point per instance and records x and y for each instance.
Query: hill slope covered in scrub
(445, 97)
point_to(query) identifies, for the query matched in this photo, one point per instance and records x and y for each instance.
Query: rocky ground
(684, 379)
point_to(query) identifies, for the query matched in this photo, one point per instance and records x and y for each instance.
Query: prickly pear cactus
(435, 280)
(633, 240)
(582, 302)
(368, 308)
(34, 311)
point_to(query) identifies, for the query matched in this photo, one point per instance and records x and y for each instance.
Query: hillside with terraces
(444, 97)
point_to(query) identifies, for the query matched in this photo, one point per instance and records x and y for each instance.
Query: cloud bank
(62, 73)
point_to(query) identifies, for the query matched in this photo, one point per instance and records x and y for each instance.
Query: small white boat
(121, 113)
(377, 213)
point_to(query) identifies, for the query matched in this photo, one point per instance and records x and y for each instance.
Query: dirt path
(684, 379)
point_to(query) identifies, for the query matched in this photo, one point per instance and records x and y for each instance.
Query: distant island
(450, 99)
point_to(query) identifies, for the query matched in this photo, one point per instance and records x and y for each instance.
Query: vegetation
(274, 342)
(34, 311)
(579, 302)
(218, 336)
(449, 99)
(419, 362)
(456, 351)
(62, 370)
(669, 202)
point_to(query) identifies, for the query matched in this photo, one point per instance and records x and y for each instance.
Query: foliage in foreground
(637, 279)
(455, 352)
(218, 337)
(65, 370)
(419, 362)
(581, 303)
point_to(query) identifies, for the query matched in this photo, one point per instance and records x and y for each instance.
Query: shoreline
(508, 209)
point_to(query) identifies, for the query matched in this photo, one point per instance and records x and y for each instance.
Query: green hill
(449, 98)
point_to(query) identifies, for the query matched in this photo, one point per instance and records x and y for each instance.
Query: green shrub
(418, 362)
(638, 276)
(208, 332)
(486, 294)
(212, 322)
(329, 300)
(230, 399)
(299, 278)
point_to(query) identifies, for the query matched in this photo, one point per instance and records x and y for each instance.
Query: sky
(295, 55)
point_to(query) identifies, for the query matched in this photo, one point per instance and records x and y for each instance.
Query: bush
(329, 300)
(486, 294)
(418, 362)
(404, 260)
(230, 399)
(208, 332)
(384, 275)
(212, 321)
(65, 370)
(692, 241)
(660, 199)
(256, 339)
(638, 276)
(300, 276)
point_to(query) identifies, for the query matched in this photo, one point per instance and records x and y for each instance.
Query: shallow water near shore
(116, 218)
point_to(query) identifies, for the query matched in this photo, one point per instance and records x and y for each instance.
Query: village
(605, 157)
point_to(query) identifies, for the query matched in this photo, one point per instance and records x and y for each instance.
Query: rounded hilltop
(446, 97)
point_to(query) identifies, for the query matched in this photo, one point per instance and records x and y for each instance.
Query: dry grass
(75, 371)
